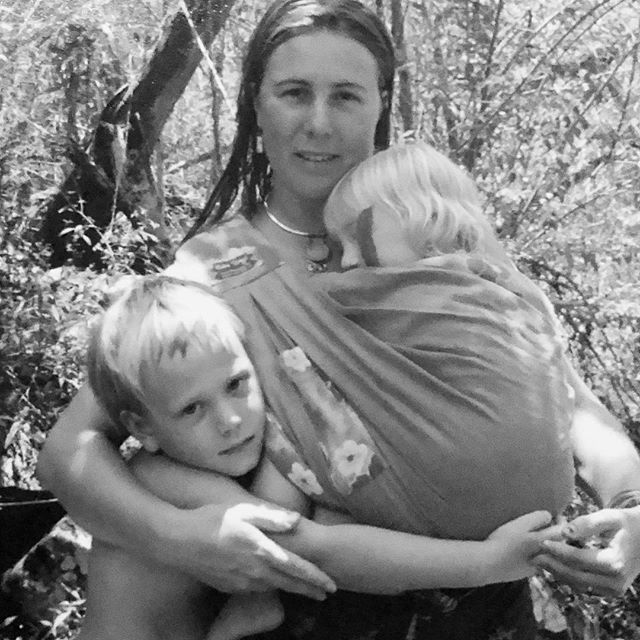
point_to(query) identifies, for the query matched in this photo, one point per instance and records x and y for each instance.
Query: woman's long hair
(283, 20)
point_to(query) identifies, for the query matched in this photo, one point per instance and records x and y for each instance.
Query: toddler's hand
(515, 543)
(536, 521)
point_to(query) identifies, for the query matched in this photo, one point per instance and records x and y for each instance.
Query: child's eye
(237, 384)
(191, 409)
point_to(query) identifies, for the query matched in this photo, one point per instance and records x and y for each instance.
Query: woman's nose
(319, 118)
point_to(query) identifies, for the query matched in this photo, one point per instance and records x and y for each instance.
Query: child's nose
(228, 420)
(350, 257)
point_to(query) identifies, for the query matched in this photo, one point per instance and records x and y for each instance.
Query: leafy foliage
(538, 100)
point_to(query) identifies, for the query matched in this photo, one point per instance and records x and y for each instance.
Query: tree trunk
(405, 94)
(116, 174)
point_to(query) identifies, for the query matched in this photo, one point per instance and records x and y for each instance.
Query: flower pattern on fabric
(304, 479)
(350, 462)
(351, 457)
(295, 359)
(286, 459)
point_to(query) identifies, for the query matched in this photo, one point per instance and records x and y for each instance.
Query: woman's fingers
(285, 582)
(609, 562)
(578, 580)
(270, 562)
(604, 562)
(601, 571)
(267, 518)
(600, 524)
(220, 546)
(290, 572)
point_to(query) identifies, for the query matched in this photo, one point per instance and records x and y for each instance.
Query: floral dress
(430, 399)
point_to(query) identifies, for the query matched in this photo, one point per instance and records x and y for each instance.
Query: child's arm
(188, 487)
(374, 560)
(359, 557)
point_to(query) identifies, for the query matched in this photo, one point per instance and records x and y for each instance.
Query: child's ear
(140, 429)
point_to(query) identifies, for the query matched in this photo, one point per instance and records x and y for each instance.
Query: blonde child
(405, 204)
(167, 362)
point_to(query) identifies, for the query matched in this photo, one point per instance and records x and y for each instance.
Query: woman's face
(318, 107)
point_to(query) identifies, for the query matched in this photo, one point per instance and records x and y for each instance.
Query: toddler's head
(166, 361)
(404, 204)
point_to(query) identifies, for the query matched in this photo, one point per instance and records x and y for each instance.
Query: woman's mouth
(311, 156)
(236, 447)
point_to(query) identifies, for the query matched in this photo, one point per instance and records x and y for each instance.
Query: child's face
(374, 239)
(206, 409)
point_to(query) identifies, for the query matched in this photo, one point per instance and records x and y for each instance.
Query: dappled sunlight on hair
(157, 318)
(434, 200)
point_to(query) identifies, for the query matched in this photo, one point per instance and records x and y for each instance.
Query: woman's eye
(347, 96)
(190, 409)
(294, 93)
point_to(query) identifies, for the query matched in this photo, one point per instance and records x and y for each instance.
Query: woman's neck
(302, 215)
(291, 247)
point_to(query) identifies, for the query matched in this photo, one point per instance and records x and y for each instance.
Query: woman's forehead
(322, 56)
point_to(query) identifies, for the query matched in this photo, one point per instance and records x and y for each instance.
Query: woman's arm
(606, 458)
(81, 464)
(609, 463)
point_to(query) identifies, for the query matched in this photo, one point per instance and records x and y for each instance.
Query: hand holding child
(226, 548)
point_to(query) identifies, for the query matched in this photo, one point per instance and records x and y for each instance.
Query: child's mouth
(236, 447)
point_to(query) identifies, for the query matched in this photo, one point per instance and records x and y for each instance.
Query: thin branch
(518, 88)
(206, 57)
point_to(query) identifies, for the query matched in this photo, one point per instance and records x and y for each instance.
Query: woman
(317, 87)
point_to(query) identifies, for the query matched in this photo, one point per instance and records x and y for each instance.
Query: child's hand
(535, 521)
(511, 546)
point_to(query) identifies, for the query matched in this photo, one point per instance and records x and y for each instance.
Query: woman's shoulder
(226, 250)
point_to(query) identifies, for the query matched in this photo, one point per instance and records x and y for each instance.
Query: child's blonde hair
(435, 201)
(156, 317)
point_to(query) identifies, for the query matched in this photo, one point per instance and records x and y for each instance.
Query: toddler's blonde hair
(435, 201)
(156, 317)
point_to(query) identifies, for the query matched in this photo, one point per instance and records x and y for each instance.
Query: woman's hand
(225, 547)
(607, 558)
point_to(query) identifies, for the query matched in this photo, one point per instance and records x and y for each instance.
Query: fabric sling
(431, 399)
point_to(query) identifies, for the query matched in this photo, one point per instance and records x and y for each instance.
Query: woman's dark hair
(283, 20)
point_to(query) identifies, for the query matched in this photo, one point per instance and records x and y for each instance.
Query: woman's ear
(140, 429)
